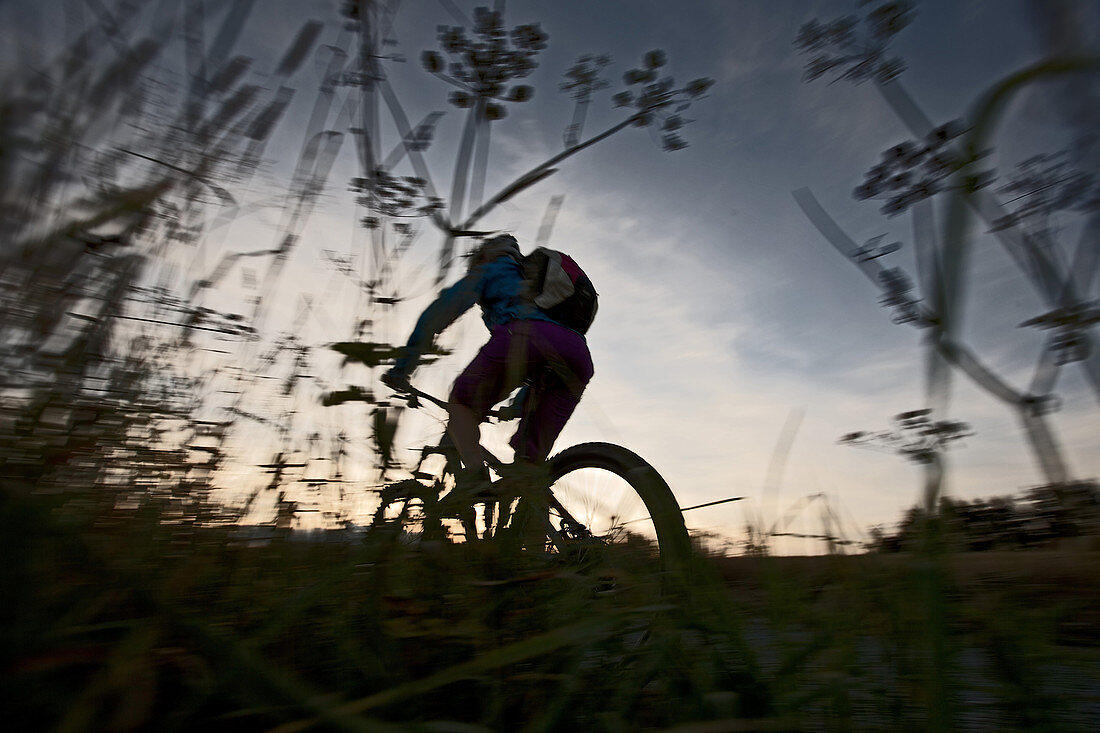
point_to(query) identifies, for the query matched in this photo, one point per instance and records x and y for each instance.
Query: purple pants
(555, 356)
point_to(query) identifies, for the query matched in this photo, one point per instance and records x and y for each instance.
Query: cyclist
(525, 344)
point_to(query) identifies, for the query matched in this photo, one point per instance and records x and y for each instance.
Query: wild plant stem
(506, 192)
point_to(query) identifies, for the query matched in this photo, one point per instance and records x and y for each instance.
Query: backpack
(560, 289)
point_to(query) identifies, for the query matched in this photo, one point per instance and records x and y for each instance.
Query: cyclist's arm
(444, 310)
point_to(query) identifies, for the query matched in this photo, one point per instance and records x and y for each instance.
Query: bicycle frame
(575, 529)
(635, 478)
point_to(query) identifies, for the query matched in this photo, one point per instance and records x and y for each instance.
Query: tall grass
(142, 623)
(134, 600)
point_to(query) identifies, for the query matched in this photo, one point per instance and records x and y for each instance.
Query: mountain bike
(577, 505)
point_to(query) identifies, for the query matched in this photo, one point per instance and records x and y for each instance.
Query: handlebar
(412, 396)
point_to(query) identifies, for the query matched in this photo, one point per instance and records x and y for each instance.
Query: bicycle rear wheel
(605, 495)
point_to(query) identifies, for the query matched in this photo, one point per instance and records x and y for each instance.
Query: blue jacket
(497, 285)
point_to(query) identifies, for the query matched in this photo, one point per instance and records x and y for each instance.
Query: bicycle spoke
(605, 504)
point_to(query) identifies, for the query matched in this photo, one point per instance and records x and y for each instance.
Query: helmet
(494, 247)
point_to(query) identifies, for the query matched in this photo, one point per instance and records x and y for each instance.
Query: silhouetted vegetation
(948, 164)
(1044, 516)
(160, 440)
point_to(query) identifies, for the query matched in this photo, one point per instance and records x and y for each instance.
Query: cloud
(698, 375)
(671, 382)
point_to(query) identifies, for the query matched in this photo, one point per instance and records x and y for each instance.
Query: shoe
(524, 478)
(470, 488)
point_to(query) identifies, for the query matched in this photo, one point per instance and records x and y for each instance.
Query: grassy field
(1063, 581)
(134, 624)
(961, 641)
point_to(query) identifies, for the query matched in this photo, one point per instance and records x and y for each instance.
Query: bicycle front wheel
(607, 495)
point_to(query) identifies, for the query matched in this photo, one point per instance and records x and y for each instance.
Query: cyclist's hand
(397, 380)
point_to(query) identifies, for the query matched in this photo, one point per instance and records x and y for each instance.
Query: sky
(728, 325)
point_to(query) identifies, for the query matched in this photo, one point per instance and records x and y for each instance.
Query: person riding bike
(525, 345)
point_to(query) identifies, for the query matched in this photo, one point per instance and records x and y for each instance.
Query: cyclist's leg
(498, 368)
(462, 426)
(564, 353)
(560, 361)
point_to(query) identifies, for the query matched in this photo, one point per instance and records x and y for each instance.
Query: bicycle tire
(673, 542)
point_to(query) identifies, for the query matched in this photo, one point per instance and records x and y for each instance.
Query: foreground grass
(132, 625)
